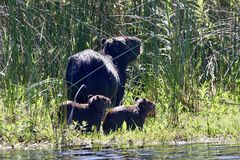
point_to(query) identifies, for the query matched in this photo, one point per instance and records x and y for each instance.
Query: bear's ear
(103, 41)
(90, 96)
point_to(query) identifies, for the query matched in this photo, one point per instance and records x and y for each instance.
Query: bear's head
(98, 103)
(145, 106)
(124, 49)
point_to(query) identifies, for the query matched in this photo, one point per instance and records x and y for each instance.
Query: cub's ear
(90, 96)
(136, 98)
(144, 100)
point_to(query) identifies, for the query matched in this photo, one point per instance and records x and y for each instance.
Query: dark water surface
(186, 151)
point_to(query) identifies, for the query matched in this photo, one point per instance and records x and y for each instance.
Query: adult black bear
(91, 112)
(101, 73)
(133, 115)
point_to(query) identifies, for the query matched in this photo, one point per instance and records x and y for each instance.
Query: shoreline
(81, 144)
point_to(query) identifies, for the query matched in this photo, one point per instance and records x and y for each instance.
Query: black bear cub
(133, 115)
(91, 112)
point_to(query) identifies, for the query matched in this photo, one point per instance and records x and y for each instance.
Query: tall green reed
(186, 43)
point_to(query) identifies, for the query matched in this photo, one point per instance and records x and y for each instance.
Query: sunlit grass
(39, 124)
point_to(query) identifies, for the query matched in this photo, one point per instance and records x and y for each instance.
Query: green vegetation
(189, 66)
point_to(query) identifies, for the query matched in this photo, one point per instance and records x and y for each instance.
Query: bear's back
(95, 71)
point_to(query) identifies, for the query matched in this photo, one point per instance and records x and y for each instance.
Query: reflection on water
(187, 151)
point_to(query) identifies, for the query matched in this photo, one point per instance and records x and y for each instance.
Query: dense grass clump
(189, 66)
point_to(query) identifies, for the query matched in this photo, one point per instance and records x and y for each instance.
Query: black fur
(134, 116)
(91, 112)
(104, 73)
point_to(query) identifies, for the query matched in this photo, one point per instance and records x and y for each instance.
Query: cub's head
(145, 106)
(98, 103)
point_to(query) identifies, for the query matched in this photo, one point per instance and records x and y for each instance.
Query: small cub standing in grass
(91, 112)
(133, 115)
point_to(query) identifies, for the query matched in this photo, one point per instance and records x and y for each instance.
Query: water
(187, 151)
